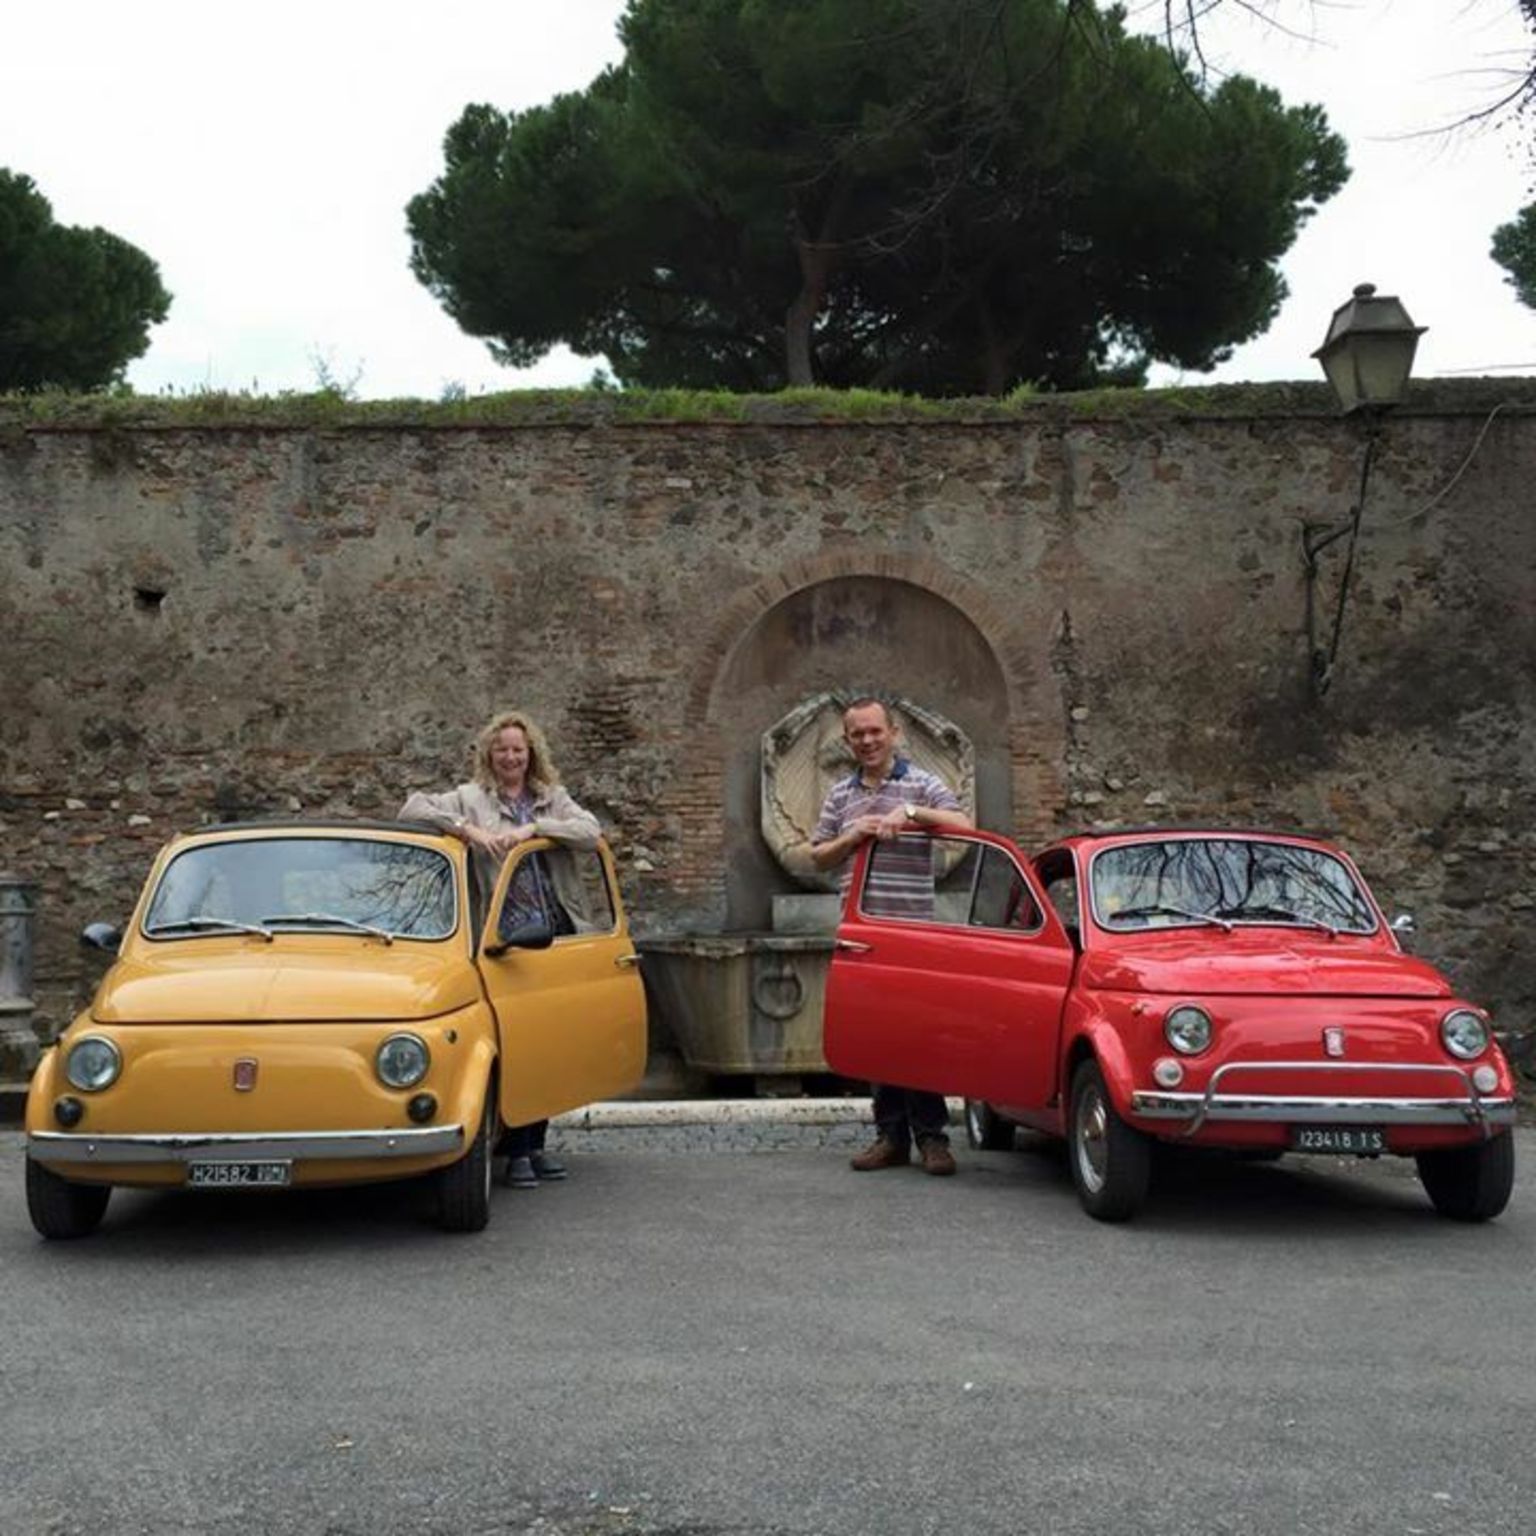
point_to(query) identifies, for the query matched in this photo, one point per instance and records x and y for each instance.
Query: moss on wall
(585, 407)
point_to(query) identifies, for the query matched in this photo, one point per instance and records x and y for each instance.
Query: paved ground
(681, 1340)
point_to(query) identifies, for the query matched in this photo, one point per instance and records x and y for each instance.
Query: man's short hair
(869, 701)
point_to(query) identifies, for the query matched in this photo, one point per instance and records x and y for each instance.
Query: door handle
(627, 960)
(854, 947)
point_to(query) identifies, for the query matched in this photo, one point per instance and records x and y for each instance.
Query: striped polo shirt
(903, 880)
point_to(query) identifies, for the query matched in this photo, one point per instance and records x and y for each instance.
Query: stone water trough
(18, 916)
(741, 1004)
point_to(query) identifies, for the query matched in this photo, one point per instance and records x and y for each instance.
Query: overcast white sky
(264, 156)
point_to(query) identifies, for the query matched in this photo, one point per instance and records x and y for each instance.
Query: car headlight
(402, 1061)
(93, 1064)
(1464, 1033)
(1188, 1029)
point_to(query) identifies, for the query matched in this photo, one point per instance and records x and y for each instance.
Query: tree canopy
(945, 196)
(75, 304)
(1514, 248)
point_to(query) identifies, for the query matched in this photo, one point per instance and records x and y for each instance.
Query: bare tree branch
(1183, 23)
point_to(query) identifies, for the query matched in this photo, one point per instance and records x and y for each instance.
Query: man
(886, 796)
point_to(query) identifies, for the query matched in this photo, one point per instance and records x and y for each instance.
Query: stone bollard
(18, 1037)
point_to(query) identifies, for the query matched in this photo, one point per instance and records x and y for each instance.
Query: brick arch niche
(866, 631)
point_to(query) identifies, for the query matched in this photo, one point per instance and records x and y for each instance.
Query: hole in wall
(148, 599)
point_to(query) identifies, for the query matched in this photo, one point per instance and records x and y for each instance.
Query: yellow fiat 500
(327, 1003)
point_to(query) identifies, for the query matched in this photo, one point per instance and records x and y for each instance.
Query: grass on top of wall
(332, 409)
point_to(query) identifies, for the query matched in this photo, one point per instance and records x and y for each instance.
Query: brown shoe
(936, 1158)
(883, 1154)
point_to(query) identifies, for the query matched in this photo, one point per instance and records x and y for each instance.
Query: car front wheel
(61, 1209)
(1111, 1162)
(1470, 1183)
(985, 1129)
(464, 1187)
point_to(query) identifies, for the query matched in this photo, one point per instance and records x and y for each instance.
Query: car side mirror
(101, 936)
(538, 934)
(1403, 925)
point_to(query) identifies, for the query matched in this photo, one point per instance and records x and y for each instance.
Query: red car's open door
(951, 971)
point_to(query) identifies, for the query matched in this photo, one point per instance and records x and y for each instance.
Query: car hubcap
(1092, 1142)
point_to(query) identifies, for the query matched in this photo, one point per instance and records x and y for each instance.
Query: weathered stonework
(230, 620)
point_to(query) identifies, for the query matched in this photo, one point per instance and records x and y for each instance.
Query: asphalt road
(680, 1341)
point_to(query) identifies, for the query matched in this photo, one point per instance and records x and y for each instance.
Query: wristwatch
(911, 812)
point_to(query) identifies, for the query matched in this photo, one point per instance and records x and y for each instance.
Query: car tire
(464, 1187)
(985, 1129)
(1470, 1183)
(1111, 1162)
(60, 1209)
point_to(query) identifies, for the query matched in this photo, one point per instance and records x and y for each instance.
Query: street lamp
(1368, 352)
(1367, 356)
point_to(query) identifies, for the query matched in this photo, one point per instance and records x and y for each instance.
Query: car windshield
(305, 884)
(1224, 883)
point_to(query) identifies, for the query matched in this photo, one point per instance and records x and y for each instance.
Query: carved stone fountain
(750, 1003)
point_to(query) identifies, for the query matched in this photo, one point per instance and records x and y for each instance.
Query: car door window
(948, 881)
(581, 886)
(1059, 876)
(1002, 898)
(528, 903)
(902, 881)
(1063, 896)
(566, 889)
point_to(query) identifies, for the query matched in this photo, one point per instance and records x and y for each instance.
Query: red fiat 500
(1216, 988)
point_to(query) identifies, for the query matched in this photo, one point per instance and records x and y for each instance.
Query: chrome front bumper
(1467, 1108)
(244, 1146)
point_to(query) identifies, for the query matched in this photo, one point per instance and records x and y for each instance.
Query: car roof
(310, 823)
(300, 826)
(1104, 837)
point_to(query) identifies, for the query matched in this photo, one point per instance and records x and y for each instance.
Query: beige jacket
(555, 815)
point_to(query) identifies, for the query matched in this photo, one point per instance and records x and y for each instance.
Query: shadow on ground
(1196, 1190)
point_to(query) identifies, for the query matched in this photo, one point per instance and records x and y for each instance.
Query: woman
(515, 794)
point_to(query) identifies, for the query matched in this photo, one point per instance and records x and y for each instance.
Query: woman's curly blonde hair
(542, 773)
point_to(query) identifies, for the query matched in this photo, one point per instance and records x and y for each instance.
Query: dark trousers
(905, 1115)
(522, 1140)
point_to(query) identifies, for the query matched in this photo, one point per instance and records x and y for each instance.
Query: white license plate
(239, 1175)
(1338, 1138)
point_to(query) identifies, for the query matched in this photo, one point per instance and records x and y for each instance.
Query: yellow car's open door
(563, 978)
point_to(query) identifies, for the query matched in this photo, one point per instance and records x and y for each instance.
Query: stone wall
(229, 620)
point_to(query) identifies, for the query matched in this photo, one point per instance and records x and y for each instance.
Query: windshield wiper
(1158, 909)
(1264, 913)
(208, 925)
(330, 920)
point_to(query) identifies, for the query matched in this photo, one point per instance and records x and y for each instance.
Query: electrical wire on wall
(1450, 485)
(1315, 540)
